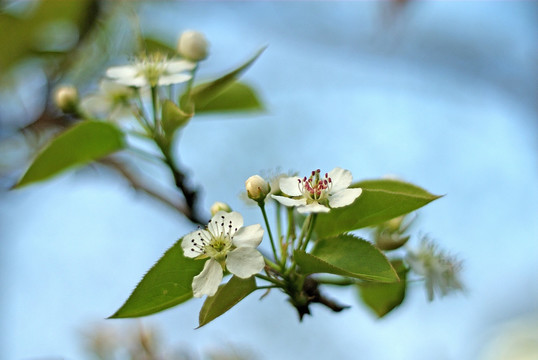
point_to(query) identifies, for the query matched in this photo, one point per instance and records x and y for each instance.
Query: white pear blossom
(112, 99)
(153, 70)
(228, 245)
(317, 194)
(440, 271)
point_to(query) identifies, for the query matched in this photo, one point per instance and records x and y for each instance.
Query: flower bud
(257, 188)
(193, 45)
(220, 206)
(66, 98)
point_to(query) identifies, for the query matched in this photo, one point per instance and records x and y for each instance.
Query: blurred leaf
(20, 35)
(236, 97)
(347, 255)
(152, 45)
(381, 200)
(166, 284)
(173, 118)
(382, 298)
(227, 296)
(202, 94)
(78, 145)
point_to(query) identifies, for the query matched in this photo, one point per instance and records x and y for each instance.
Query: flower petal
(208, 281)
(248, 236)
(222, 220)
(290, 186)
(173, 79)
(125, 71)
(192, 244)
(344, 197)
(245, 262)
(288, 201)
(139, 81)
(341, 179)
(313, 208)
(179, 66)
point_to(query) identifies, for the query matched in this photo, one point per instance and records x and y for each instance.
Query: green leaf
(227, 296)
(173, 118)
(166, 284)
(202, 94)
(152, 46)
(85, 142)
(381, 200)
(382, 298)
(236, 97)
(347, 255)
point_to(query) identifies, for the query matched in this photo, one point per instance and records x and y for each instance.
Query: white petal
(313, 208)
(344, 197)
(245, 262)
(126, 71)
(179, 66)
(173, 79)
(290, 186)
(191, 243)
(222, 220)
(139, 81)
(289, 202)
(341, 179)
(248, 236)
(208, 281)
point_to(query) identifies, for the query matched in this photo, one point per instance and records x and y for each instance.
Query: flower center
(216, 245)
(315, 188)
(152, 68)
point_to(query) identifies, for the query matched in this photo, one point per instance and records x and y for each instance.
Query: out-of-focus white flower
(152, 70)
(257, 188)
(66, 98)
(112, 99)
(318, 194)
(193, 45)
(228, 245)
(440, 271)
(220, 206)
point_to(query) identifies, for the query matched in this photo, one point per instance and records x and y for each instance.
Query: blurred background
(441, 94)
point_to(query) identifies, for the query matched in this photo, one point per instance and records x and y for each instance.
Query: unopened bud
(66, 98)
(257, 188)
(219, 206)
(193, 45)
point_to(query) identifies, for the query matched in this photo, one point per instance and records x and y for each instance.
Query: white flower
(228, 245)
(113, 99)
(152, 71)
(192, 45)
(440, 271)
(318, 194)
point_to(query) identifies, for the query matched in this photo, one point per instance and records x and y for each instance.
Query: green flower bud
(66, 98)
(257, 188)
(220, 206)
(193, 45)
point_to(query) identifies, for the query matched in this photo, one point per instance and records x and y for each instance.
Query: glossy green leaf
(166, 284)
(227, 296)
(202, 94)
(347, 255)
(173, 118)
(381, 200)
(236, 97)
(85, 142)
(383, 298)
